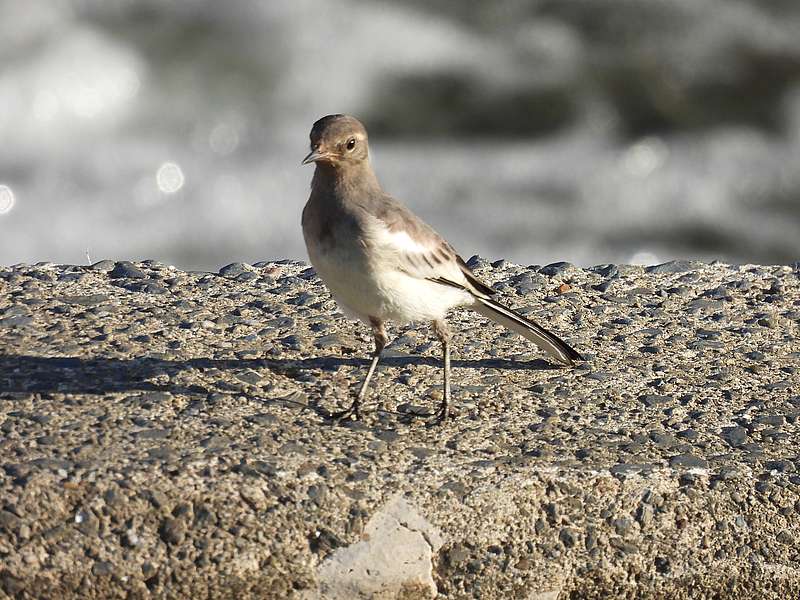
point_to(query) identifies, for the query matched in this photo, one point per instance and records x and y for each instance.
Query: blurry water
(539, 131)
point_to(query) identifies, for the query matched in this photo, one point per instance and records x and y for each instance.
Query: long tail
(553, 345)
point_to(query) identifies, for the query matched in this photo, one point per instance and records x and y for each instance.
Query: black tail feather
(511, 319)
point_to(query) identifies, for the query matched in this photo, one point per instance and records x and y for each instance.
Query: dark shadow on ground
(41, 374)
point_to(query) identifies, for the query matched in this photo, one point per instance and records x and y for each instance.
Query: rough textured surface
(162, 434)
(395, 558)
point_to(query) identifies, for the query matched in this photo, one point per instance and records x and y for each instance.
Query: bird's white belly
(362, 291)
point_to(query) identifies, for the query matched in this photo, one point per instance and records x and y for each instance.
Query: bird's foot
(351, 412)
(441, 415)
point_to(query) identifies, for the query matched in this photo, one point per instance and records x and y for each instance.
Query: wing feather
(418, 250)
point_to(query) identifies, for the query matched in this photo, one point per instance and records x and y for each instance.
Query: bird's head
(338, 141)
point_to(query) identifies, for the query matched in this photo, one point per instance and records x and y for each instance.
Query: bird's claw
(346, 414)
(440, 416)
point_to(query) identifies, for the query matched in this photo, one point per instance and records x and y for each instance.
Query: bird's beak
(314, 156)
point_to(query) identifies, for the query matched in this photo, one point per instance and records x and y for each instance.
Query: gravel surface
(163, 434)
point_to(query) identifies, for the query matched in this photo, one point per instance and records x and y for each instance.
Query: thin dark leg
(440, 328)
(379, 332)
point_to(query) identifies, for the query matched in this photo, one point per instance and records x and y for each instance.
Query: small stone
(215, 442)
(651, 400)
(781, 466)
(280, 323)
(603, 286)
(233, 270)
(476, 261)
(769, 321)
(662, 439)
(14, 586)
(17, 321)
(701, 304)
(598, 375)
(644, 515)
(605, 270)
(358, 475)
(735, 436)
(688, 461)
(16, 310)
(673, 266)
(568, 537)
(87, 523)
(203, 515)
(455, 487)
(262, 419)
(719, 293)
(127, 270)
(555, 268)
(662, 565)
(154, 398)
(388, 435)
(104, 266)
(247, 276)
(9, 521)
(152, 434)
(778, 385)
(130, 539)
(553, 513)
(709, 334)
(250, 377)
(422, 453)
(159, 499)
(774, 420)
(89, 300)
(172, 531)
(624, 546)
(102, 567)
(254, 497)
(458, 554)
(563, 288)
(318, 493)
(323, 541)
(153, 288)
(622, 525)
(526, 284)
(328, 341)
(71, 277)
(688, 434)
(293, 342)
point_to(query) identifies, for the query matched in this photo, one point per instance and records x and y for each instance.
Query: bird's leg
(379, 332)
(443, 333)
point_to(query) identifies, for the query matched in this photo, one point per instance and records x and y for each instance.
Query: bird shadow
(21, 373)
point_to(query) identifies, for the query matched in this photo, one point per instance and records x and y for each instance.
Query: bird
(381, 262)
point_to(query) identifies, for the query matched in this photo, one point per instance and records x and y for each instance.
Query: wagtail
(383, 263)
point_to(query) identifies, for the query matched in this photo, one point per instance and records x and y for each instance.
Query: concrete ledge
(162, 434)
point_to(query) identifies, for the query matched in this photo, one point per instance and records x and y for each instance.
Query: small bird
(383, 263)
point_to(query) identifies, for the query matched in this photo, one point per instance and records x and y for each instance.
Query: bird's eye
(351, 143)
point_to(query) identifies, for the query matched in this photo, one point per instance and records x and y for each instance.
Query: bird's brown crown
(337, 140)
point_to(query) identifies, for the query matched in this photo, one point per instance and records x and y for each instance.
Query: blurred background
(582, 130)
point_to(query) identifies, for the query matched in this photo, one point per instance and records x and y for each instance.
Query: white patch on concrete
(394, 558)
(551, 595)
